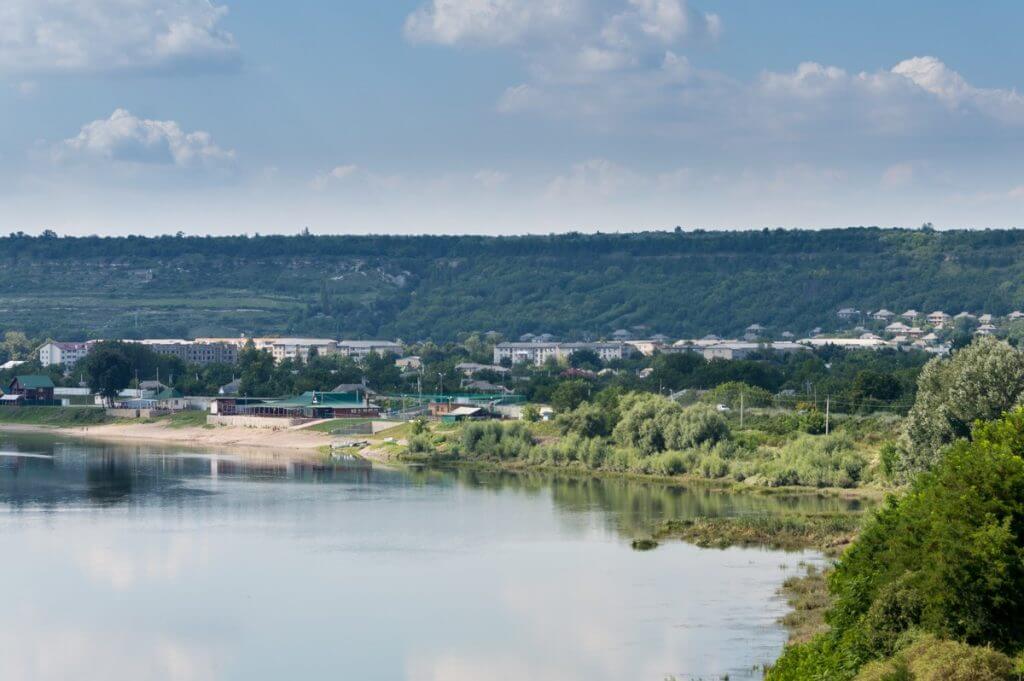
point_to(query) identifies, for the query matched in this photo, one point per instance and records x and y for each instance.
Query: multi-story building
(539, 353)
(297, 348)
(359, 349)
(192, 352)
(57, 352)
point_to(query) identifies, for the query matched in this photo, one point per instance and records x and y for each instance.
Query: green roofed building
(313, 404)
(33, 389)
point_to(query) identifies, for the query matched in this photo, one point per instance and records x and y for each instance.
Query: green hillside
(676, 283)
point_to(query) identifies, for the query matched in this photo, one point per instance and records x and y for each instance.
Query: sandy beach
(297, 443)
(299, 440)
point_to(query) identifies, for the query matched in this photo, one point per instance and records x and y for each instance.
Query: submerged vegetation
(827, 532)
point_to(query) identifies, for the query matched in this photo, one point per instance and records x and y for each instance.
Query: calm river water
(147, 562)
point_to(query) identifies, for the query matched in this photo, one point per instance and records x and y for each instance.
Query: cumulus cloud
(934, 77)
(448, 22)
(565, 41)
(46, 36)
(124, 137)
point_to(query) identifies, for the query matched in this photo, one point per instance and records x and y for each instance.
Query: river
(151, 562)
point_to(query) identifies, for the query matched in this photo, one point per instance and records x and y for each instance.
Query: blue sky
(507, 116)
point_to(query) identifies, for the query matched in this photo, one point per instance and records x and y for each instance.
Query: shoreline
(301, 442)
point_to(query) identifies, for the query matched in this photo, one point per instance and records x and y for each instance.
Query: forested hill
(574, 285)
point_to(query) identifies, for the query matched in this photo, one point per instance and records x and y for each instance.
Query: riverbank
(164, 431)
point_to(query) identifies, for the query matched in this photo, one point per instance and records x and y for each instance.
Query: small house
(171, 400)
(34, 389)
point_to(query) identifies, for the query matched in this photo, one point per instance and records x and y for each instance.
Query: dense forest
(576, 286)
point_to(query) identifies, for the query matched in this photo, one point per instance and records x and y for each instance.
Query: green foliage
(932, 659)
(531, 413)
(652, 424)
(875, 385)
(61, 417)
(945, 559)
(588, 420)
(733, 393)
(569, 395)
(441, 287)
(981, 381)
(812, 421)
(421, 443)
(815, 462)
(889, 456)
(16, 345)
(418, 426)
(496, 440)
(107, 369)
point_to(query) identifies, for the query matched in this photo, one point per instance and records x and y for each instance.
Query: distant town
(476, 388)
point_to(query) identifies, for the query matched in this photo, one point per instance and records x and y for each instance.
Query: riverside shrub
(946, 558)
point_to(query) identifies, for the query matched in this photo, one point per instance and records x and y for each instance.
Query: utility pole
(827, 414)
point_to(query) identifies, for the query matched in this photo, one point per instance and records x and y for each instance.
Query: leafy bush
(494, 439)
(651, 424)
(812, 422)
(421, 443)
(981, 381)
(587, 420)
(734, 393)
(946, 559)
(933, 659)
(828, 461)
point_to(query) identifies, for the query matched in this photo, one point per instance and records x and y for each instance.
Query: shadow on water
(633, 507)
(44, 472)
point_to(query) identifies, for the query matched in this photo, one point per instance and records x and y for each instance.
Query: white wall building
(361, 348)
(539, 353)
(56, 352)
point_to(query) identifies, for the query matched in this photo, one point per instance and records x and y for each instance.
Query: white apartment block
(297, 348)
(360, 349)
(539, 353)
(55, 352)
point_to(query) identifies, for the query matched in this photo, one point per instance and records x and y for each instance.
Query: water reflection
(151, 562)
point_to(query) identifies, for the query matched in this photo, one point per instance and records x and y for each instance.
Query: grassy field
(54, 416)
(186, 419)
(338, 425)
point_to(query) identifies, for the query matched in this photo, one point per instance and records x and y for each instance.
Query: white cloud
(76, 36)
(568, 41)
(448, 22)
(126, 138)
(335, 174)
(934, 77)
